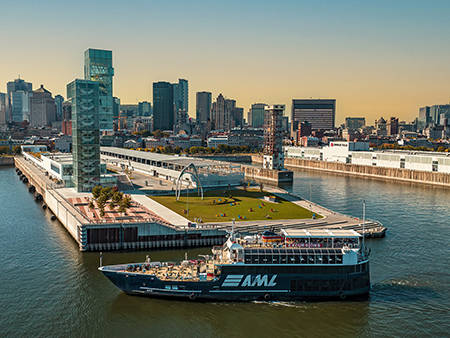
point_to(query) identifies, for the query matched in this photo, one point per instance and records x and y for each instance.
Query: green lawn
(218, 206)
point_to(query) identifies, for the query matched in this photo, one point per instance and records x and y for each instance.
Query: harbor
(403, 295)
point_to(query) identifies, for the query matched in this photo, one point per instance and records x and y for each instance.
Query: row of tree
(109, 196)
(397, 146)
(221, 149)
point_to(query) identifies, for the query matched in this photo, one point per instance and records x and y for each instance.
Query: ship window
(275, 259)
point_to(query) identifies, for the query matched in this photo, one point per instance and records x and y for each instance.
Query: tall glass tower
(84, 97)
(98, 67)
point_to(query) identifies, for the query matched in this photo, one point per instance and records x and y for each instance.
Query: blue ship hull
(251, 282)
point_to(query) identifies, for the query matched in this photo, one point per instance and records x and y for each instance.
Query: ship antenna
(364, 226)
(232, 230)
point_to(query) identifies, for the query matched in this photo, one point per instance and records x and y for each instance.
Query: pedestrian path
(170, 216)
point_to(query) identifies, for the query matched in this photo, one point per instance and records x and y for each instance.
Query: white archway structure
(195, 174)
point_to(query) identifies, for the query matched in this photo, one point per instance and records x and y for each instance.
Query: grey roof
(173, 159)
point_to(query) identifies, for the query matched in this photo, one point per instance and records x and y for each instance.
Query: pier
(149, 224)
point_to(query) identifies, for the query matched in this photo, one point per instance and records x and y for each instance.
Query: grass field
(223, 206)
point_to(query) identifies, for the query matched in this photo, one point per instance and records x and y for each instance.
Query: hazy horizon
(376, 59)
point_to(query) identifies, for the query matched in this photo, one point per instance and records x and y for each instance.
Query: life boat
(270, 237)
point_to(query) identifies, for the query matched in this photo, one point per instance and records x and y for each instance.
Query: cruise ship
(291, 265)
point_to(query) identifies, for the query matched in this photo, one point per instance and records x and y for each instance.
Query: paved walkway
(170, 216)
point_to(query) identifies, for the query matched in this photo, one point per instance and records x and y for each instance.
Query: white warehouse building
(359, 153)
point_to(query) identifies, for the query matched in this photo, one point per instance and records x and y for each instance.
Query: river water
(49, 288)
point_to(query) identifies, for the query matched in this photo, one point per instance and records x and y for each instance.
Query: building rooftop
(172, 159)
(319, 233)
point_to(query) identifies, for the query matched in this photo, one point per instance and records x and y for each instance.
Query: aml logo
(249, 280)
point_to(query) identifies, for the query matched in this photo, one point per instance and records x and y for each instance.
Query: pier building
(358, 153)
(210, 173)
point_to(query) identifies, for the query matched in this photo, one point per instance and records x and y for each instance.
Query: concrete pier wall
(406, 175)
(6, 161)
(267, 175)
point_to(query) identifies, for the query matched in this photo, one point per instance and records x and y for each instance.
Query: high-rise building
(181, 95)
(392, 126)
(381, 127)
(59, 103)
(273, 157)
(320, 113)
(203, 106)
(18, 100)
(144, 108)
(354, 123)
(424, 117)
(98, 67)
(237, 117)
(163, 106)
(220, 113)
(3, 108)
(42, 108)
(84, 97)
(256, 115)
(437, 110)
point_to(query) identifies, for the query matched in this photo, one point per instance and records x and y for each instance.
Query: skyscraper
(424, 117)
(256, 115)
(144, 108)
(59, 103)
(98, 67)
(42, 108)
(163, 106)
(219, 114)
(181, 95)
(203, 106)
(18, 100)
(437, 110)
(84, 97)
(237, 117)
(320, 113)
(2, 108)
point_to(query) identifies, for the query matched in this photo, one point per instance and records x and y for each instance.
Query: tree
(96, 191)
(124, 204)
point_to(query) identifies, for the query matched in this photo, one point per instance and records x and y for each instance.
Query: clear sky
(377, 58)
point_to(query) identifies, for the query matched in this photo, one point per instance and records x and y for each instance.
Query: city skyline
(376, 60)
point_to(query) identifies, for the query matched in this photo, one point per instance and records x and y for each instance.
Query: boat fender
(192, 296)
(342, 295)
(266, 296)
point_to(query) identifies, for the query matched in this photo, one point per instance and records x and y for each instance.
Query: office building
(2, 108)
(354, 123)
(181, 95)
(256, 115)
(222, 110)
(320, 113)
(203, 107)
(59, 103)
(42, 108)
(163, 106)
(436, 111)
(392, 126)
(144, 108)
(237, 117)
(381, 127)
(424, 117)
(18, 100)
(98, 67)
(85, 99)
